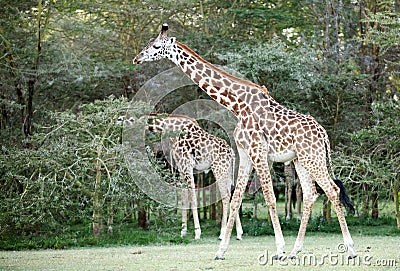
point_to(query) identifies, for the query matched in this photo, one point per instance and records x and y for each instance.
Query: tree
(73, 172)
(373, 157)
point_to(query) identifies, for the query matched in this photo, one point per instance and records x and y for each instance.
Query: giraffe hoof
(239, 238)
(277, 257)
(219, 258)
(292, 257)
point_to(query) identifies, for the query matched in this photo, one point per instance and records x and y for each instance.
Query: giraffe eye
(156, 47)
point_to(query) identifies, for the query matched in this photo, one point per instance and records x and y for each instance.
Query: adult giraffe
(266, 132)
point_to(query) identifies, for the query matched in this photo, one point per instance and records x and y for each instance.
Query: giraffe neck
(232, 92)
(172, 123)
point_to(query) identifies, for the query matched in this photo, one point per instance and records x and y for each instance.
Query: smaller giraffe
(194, 150)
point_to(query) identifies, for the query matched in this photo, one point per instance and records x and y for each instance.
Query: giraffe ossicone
(266, 132)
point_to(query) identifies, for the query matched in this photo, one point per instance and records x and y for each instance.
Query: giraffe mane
(221, 71)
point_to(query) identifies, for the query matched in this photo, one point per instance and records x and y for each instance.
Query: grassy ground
(319, 253)
(161, 247)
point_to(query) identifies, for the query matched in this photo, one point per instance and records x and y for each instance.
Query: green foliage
(334, 60)
(298, 78)
(382, 25)
(374, 155)
(373, 158)
(72, 167)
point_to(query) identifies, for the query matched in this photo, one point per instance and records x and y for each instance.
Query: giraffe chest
(202, 160)
(194, 153)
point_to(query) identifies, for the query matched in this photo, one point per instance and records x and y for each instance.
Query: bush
(72, 173)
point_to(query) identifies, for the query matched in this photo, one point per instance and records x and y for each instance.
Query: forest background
(67, 74)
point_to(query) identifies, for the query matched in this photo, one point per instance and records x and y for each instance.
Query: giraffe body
(266, 132)
(193, 150)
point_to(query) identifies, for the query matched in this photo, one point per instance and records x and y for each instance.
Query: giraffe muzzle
(136, 61)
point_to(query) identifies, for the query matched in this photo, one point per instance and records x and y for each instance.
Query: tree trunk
(396, 195)
(255, 212)
(202, 180)
(18, 84)
(28, 122)
(29, 107)
(299, 200)
(132, 210)
(142, 216)
(372, 63)
(326, 213)
(375, 211)
(4, 115)
(110, 217)
(97, 220)
(213, 198)
(110, 223)
(365, 203)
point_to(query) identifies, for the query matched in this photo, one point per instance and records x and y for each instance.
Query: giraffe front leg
(185, 207)
(243, 175)
(264, 175)
(193, 203)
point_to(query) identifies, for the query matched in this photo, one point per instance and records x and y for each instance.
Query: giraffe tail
(328, 154)
(231, 176)
(232, 191)
(344, 197)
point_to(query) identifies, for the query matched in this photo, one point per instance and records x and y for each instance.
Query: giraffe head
(157, 48)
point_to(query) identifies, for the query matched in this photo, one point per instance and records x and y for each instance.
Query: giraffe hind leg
(309, 198)
(193, 202)
(319, 173)
(334, 193)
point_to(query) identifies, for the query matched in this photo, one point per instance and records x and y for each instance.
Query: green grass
(375, 253)
(81, 236)
(165, 233)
